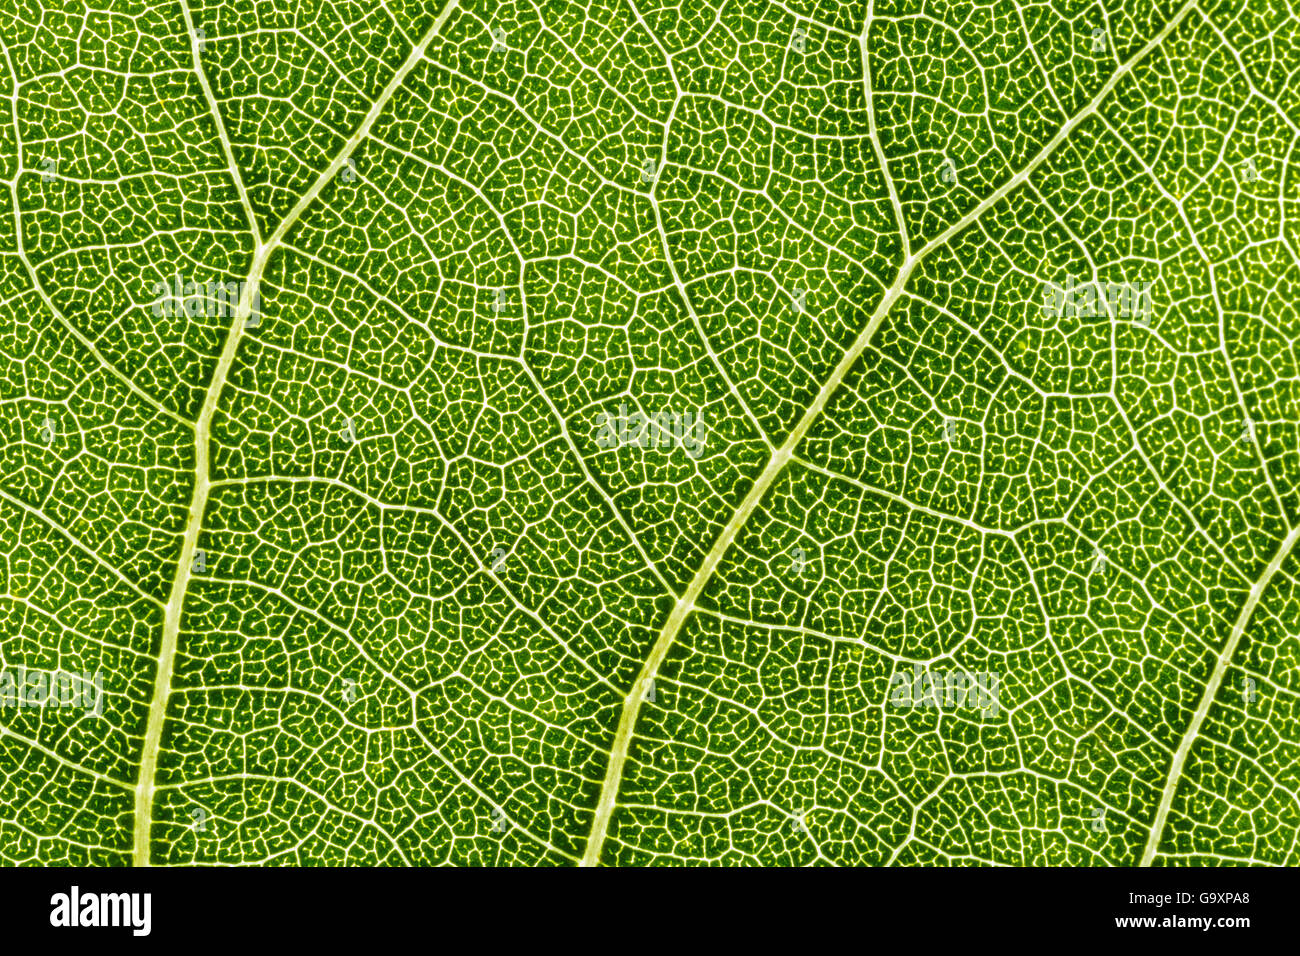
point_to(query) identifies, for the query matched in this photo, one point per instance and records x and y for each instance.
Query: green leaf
(739, 433)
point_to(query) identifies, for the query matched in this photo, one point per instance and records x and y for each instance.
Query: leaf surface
(611, 419)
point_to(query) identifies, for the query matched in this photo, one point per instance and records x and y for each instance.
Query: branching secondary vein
(144, 791)
(782, 456)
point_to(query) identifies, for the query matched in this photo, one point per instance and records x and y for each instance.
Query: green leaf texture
(614, 415)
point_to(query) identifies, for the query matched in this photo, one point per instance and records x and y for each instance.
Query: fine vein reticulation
(616, 435)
